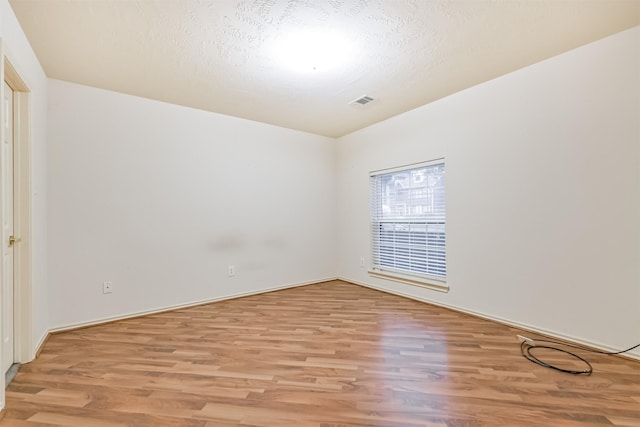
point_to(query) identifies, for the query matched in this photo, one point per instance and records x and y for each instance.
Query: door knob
(13, 240)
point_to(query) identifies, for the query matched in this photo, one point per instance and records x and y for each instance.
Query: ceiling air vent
(362, 101)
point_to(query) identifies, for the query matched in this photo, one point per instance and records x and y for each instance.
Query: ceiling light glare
(312, 51)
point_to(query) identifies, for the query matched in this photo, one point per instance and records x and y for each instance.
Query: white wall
(543, 193)
(19, 52)
(160, 199)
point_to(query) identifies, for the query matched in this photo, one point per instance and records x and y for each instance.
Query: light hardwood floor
(325, 355)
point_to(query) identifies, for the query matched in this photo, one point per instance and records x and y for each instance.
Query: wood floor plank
(326, 355)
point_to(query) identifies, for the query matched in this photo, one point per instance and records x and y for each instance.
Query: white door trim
(23, 312)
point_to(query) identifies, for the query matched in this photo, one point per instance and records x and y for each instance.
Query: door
(7, 231)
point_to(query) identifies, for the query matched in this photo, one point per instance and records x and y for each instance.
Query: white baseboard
(635, 355)
(40, 343)
(109, 319)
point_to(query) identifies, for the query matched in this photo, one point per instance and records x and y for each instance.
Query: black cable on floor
(527, 345)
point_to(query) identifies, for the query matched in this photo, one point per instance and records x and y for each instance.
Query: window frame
(407, 275)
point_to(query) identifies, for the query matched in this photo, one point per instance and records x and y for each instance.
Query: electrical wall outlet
(362, 261)
(107, 287)
(232, 270)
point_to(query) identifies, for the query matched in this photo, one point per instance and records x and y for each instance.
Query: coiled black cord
(529, 344)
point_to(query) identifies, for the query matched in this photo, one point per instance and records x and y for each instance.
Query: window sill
(409, 280)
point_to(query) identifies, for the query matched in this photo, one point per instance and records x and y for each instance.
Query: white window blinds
(408, 220)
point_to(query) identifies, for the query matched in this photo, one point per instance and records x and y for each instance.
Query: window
(408, 224)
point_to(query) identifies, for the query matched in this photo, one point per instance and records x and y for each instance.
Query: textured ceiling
(218, 55)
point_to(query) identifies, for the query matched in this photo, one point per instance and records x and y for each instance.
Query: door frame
(22, 190)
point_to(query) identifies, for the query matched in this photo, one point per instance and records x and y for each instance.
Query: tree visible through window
(408, 220)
